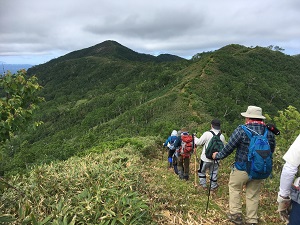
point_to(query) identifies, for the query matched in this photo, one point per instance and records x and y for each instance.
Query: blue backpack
(260, 160)
(172, 142)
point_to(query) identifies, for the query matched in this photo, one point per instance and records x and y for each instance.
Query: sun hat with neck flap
(254, 112)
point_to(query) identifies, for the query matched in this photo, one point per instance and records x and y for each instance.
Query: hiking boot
(236, 218)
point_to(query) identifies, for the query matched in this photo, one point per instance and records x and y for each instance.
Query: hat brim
(245, 114)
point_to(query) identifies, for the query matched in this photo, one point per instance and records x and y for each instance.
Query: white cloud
(34, 31)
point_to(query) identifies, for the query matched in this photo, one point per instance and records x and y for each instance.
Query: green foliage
(288, 123)
(108, 92)
(93, 189)
(127, 185)
(18, 100)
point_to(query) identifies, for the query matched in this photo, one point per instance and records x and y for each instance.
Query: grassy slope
(116, 180)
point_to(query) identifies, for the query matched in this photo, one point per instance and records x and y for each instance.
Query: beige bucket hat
(253, 112)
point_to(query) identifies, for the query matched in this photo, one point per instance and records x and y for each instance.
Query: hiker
(175, 155)
(206, 164)
(171, 149)
(184, 145)
(239, 177)
(289, 192)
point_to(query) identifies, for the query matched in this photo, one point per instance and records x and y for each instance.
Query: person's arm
(202, 140)
(223, 139)
(167, 141)
(286, 179)
(272, 141)
(283, 198)
(230, 146)
(290, 168)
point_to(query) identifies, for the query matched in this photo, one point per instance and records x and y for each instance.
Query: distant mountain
(113, 49)
(13, 68)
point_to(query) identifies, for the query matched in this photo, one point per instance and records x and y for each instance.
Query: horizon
(34, 60)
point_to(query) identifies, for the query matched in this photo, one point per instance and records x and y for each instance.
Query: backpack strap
(266, 132)
(173, 139)
(249, 131)
(219, 134)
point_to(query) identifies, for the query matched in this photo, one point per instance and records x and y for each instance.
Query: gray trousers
(212, 169)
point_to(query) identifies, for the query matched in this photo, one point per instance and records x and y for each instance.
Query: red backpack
(186, 148)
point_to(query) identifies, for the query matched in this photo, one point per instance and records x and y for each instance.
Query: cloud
(37, 31)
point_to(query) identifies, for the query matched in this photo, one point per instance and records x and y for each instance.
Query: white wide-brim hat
(253, 112)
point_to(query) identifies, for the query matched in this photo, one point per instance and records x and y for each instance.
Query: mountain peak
(113, 49)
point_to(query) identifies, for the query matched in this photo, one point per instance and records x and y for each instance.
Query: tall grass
(128, 184)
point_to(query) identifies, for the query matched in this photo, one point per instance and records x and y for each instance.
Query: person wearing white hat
(239, 177)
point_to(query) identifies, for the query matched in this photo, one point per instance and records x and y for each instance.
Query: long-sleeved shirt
(240, 141)
(290, 168)
(204, 140)
(170, 140)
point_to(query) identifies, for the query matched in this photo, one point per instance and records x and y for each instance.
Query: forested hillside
(108, 91)
(98, 156)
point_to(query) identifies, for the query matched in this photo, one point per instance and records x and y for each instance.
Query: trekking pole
(195, 168)
(210, 186)
(195, 153)
(162, 153)
(197, 160)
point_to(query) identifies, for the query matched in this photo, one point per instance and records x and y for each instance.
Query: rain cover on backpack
(186, 148)
(260, 160)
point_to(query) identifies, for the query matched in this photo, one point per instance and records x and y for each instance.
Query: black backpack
(215, 145)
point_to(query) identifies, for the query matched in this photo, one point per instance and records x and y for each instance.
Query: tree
(288, 122)
(277, 48)
(19, 98)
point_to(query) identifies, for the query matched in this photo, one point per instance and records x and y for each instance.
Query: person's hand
(284, 204)
(214, 155)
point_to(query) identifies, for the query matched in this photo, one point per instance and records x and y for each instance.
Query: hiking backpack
(171, 143)
(215, 145)
(260, 160)
(186, 148)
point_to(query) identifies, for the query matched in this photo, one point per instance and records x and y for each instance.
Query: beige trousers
(237, 181)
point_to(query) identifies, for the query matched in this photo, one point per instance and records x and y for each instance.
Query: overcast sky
(36, 31)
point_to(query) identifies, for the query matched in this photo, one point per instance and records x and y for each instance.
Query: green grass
(126, 185)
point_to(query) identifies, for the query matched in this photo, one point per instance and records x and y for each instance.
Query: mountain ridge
(14, 68)
(113, 49)
(91, 98)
